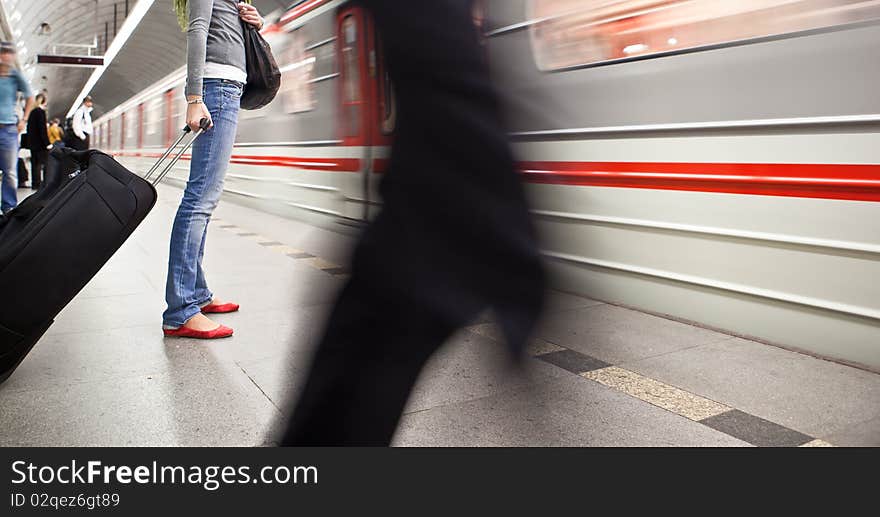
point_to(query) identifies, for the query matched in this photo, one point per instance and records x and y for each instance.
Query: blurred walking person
(216, 75)
(38, 141)
(453, 239)
(12, 83)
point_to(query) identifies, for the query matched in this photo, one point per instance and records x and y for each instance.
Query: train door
(169, 118)
(357, 97)
(383, 121)
(140, 127)
(367, 107)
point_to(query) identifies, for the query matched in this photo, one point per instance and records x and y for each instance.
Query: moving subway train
(713, 161)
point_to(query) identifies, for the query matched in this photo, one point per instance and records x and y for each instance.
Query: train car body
(691, 163)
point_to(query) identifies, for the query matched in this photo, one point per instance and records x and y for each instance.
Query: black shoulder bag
(263, 76)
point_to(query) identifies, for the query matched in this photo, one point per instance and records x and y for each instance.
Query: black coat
(37, 130)
(455, 234)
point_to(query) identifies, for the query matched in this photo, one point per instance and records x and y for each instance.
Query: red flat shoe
(219, 308)
(219, 332)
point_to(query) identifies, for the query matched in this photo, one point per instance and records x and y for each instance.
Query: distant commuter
(11, 84)
(23, 149)
(56, 134)
(82, 126)
(216, 75)
(38, 141)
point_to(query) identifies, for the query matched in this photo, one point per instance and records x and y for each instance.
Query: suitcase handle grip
(204, 124)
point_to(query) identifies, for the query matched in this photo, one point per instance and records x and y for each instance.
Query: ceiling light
(128, 26)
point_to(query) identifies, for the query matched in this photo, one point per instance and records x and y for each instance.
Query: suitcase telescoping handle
(203, 126)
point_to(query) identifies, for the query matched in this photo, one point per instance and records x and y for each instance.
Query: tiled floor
(602, 375)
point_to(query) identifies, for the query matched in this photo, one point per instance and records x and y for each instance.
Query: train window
(131, 124)
(389, 105)
(571, 33)
(387, 99)
(351, 78)
(153, 116)
(178, 108)
(297, 85)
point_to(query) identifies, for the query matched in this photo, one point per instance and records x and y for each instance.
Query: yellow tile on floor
(658, 393)
(817, 443)
(259, 238)
(284, 248)
(320, 263)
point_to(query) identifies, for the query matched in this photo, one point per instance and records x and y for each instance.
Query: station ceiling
(155, 48)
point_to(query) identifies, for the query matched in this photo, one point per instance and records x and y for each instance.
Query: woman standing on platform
(215, 78)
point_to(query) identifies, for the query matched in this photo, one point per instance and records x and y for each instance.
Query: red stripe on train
(318, 164)
(827, 181)
(301, 10)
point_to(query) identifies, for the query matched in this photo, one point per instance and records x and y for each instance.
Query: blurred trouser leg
(360, 379)
(22, 172)
(79, 144)
(38, 167)
(185, 289)
(9, 165)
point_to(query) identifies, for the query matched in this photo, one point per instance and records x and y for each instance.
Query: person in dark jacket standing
(454, 237)
(38, 140)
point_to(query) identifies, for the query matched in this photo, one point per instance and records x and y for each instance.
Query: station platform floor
(599, 375)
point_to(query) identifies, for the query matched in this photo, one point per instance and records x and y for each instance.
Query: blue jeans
(9, 166)
(186, 290)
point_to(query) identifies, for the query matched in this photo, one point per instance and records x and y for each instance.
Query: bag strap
(23, 211)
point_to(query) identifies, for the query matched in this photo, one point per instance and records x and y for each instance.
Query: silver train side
(737, 186)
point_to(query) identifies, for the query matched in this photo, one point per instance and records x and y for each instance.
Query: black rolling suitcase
(57, 239)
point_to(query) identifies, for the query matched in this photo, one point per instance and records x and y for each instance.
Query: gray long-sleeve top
(214, 34)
